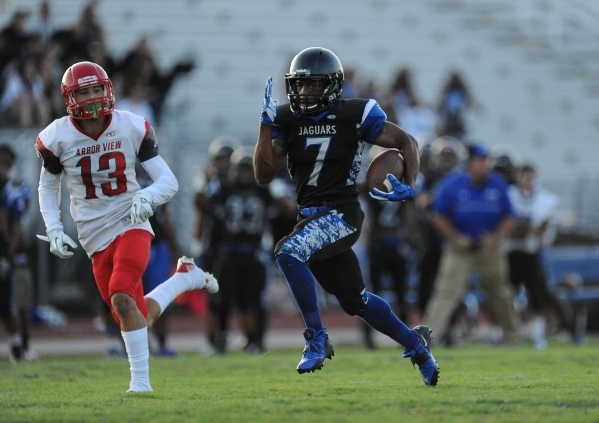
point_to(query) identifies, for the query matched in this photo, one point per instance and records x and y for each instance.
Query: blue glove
(270, 106)
(401, 192)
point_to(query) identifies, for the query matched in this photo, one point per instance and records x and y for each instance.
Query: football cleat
(318, 347)
(421, 356)
(201, 280)
(15, 353)
(166, 352)
(140, 387)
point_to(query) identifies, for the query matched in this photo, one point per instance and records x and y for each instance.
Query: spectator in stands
(454, 101)
(419, 120)
(49, 68)
(535, 208)
(96, 53)
(14, 38)
(351, 86)
(43, 24)
(139, 65)
(473, 213)
(409, 112)
(402, 92)
(23, 102)
(75, 42)
(135, 101)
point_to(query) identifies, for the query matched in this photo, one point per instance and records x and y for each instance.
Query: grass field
(478, 384)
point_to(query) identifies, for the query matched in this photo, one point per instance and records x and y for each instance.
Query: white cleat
(140, 387)
(211, 284)
(201, 279)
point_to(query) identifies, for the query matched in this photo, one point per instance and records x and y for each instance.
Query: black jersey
(324, 152)
(384, 218)
(242, 212)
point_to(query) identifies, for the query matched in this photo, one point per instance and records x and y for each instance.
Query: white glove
(141, 209)
(58, 243)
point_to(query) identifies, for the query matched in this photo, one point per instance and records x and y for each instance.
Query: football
(387, 161)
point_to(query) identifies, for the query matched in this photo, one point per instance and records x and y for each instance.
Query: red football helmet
(86, 74)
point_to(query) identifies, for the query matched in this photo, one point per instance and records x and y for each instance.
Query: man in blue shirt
(472, 211)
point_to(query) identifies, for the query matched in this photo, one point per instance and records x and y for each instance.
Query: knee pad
(352, 306)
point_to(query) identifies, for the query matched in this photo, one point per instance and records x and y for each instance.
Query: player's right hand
(401, 192)
(141, 208)
(58, 243)
(270, 106)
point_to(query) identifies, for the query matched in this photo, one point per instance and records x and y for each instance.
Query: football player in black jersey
(242, 208)
(322, 137)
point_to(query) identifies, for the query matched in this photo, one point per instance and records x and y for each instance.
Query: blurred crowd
(34, 53)
(239, 222)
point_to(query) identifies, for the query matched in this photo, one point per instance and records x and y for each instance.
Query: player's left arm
(165, 183)
(268, 156)
(392, 136)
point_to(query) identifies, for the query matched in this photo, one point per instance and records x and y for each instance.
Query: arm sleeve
(165, 184)
(149, 146)
(49, 198)
(373, 120)
(49, 160)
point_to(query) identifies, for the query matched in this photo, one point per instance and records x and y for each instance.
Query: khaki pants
(452, 283)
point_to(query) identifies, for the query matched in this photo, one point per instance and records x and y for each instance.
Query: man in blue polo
(473, 213)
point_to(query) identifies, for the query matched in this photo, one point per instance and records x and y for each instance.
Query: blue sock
(303, 289)
(378, 314)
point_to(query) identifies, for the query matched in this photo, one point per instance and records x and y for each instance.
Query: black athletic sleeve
(149, 146)
(49, 160)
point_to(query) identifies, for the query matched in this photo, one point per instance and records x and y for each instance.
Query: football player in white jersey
(95, 148)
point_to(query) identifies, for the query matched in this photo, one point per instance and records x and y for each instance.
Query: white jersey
(100, 175)
(538, 207)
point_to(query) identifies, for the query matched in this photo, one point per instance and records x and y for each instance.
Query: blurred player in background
(163, 250)
(534, 230)
(445, 154)
(207, 181)
(323, 137)
(9, 234)
(207, 233)
(16, 197)
(390, 226)
(96, 148)
(242, 208)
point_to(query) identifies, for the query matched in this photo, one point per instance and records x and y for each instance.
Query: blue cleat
(318, 347)
(421, 355)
